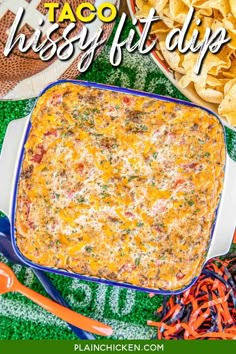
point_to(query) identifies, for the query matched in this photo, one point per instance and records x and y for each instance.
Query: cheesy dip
(119, 186)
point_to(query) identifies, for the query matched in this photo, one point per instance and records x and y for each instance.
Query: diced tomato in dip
(121, 187)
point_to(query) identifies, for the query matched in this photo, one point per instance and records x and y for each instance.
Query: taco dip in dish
(215, 86)
(122, 187)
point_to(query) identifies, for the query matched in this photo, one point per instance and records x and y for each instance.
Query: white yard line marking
(32, 313)
(101, 294)
(3, 258)
(25, 312)
(100, 301)
(17, 269)
(29, 277)
(123, 330)
(129, 301)
(76, 287)
(146, 66)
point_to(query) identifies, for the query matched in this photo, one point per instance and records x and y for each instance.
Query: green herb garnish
(132, 177)
(139, 224)
(155, 155)
(88, 249)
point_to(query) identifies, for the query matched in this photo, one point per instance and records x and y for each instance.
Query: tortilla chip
(225, 56)
(178, 10)
(188, 2)
(145, 6)
(174, 59)
(189, 62)
(231, 73)
(229, 85)
(217, 79)
(159, 27)
(208, 94)
(216, 84)
(233, 7)
(166, 18)
(227, 108)
(206, 22)
(221, 5)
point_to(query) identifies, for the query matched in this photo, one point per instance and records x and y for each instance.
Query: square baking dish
(11, 163)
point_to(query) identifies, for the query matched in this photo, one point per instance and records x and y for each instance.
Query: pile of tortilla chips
(217, 81)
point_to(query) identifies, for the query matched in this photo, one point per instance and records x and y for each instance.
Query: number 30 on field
(68, 14)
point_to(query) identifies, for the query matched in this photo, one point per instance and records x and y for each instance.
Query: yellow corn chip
(178, 10)
(208, 94)
(227, 108)
(174, 59)
(222, 5)
(231, 73)
(233, 7)
(216, 82)
(229, 85)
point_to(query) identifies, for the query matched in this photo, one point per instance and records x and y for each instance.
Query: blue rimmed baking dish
(11, 163)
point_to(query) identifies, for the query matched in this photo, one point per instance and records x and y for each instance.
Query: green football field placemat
(127, 311)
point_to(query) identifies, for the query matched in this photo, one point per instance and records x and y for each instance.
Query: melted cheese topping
(119, 186)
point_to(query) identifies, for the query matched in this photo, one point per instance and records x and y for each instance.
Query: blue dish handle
(48, 286)
(4, 226)
(55, 295)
